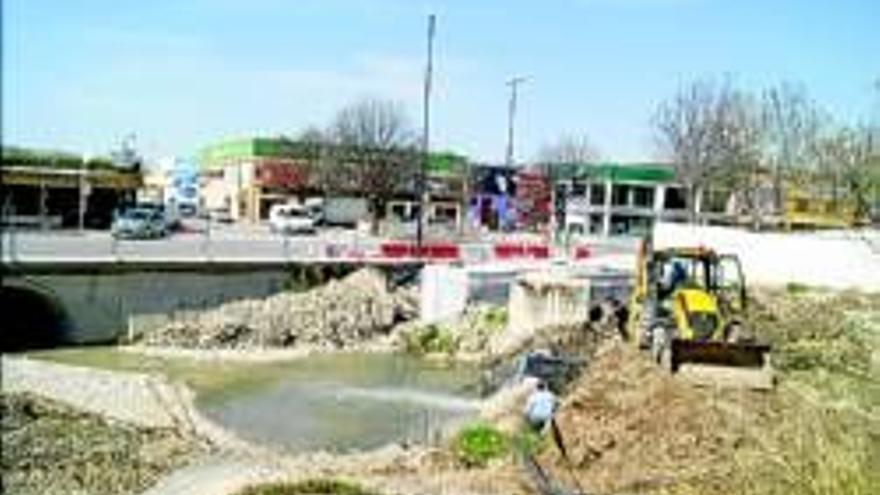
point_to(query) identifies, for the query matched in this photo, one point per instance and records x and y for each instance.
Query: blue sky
(183, 73)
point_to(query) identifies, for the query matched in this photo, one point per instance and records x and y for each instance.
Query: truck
(339, 211)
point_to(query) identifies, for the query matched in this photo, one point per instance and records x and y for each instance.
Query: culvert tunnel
(32, 319)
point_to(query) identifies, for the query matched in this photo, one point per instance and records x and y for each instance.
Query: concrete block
(444, 292)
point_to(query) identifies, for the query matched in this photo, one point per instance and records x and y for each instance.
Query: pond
(347, 402)
(335, 402)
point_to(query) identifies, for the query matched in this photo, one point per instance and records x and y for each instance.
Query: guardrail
(301, 249)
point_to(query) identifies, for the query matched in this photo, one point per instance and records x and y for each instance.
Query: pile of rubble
(51, 448)
(341, 315)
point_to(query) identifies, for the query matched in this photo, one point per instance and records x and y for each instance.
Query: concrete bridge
(48, 303)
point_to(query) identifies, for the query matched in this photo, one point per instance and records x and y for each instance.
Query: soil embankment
(49, 447)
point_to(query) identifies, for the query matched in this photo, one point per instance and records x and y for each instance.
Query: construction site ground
(628, 427)
(631, 428)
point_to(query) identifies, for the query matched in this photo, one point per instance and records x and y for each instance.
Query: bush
(430, 338)
(796, 288)
(478, 444)
(495, 317)
(310, 487)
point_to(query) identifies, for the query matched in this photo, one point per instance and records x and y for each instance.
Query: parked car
(168, 212)
(290, 219)
(220, 215)
(139, 223)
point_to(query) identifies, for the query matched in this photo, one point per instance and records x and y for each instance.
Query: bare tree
(374, 151)
(569, 148)
(565, 150)
(315, 150)
(710, 132)
(846, 164)
(791, 123)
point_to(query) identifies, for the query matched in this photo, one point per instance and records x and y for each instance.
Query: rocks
(50, 448)
(339, 315)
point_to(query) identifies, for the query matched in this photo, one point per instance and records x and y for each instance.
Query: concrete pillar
(698, 204)
(606, 211)
(659, 201)
(588, 207)
(44, 196)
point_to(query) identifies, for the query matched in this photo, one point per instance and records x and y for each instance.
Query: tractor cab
(689, 306)
(705, 288)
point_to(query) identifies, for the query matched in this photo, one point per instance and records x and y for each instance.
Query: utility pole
(425, 135)
(511, 112)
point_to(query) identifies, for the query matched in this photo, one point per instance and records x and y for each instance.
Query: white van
(290, 219)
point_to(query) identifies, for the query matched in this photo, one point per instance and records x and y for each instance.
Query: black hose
(543, 482)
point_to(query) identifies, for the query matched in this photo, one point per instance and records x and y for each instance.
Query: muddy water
(349, 401)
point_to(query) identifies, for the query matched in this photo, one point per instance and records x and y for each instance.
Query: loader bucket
(723, 363)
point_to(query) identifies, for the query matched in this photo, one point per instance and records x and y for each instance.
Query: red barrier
(509, 250)
(539, 251)
(433, 251)
(395, 249)
(440, 251)
(582, 253)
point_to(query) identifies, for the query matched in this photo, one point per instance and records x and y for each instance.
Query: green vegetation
(494, 318)
(308, 487)
(21, 157)
(796, 288)
(470, 333)
(430, 339)
(477, 444)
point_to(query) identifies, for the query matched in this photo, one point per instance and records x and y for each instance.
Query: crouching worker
(540, 407)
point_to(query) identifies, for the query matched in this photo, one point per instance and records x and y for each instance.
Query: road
(252, 243)
(221, 242)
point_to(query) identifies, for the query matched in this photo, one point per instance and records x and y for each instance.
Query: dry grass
(632, 429)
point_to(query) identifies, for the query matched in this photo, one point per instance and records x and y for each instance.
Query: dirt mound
(630, 427)
(341, 314)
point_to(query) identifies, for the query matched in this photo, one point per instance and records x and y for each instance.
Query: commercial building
(245, 177)
(54, 189)
(615, 199)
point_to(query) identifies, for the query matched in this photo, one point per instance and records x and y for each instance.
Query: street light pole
(425, 134)
(511, 112)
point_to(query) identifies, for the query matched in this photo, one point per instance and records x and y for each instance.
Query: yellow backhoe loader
(689, 309)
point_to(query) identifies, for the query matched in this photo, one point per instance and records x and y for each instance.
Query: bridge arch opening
(32, 319)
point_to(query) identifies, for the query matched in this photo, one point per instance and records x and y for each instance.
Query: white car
(290, 219)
